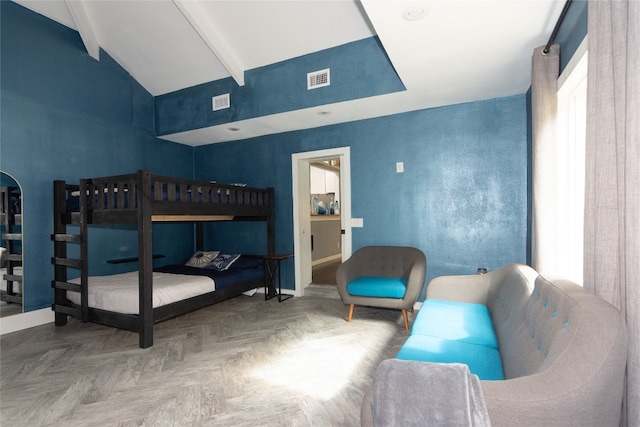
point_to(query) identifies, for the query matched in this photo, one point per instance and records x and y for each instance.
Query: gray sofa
(563, 349)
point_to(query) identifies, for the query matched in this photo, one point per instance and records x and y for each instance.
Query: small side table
(271, 270)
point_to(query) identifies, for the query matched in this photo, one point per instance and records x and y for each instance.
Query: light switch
(357, 222)
(399, 167)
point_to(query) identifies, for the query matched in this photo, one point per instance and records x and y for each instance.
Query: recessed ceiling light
(324, 113)
(414, 13)
(232, 129)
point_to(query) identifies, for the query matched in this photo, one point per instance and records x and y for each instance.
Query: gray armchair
(383, 276)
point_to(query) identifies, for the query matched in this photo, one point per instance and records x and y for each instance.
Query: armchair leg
(405, 316)
(351, 307)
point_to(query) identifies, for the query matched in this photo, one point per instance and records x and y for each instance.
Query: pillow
(223, 261)
(201, 259)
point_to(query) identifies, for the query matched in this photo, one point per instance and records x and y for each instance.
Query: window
(570, 165)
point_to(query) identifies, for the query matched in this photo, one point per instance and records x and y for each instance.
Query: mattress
(119, 292)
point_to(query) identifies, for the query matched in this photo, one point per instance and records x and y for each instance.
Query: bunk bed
(10, 250)
(141, 199)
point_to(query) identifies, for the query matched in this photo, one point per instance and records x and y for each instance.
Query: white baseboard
(18, 322)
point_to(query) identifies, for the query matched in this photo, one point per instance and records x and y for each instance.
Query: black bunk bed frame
(8, 221)
(142, 198)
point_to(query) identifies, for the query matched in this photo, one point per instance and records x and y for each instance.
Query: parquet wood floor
(243, 362)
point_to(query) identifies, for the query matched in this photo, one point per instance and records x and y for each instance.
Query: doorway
(303, 206)
(326, 240)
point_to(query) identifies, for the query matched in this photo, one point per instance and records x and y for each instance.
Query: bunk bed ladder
(14, 259)
(12, 238)
(61, 238)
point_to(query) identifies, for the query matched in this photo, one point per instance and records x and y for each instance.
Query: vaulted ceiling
(445, 52)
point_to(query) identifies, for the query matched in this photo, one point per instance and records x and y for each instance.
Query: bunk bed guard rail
(171, 199)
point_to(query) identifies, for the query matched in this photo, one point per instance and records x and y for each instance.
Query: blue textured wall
(358, 70)
(462, 198)
(67, 116)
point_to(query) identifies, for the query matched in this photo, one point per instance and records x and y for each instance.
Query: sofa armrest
(463, 288)
(347, 271)
(480, 288)
(415, 281)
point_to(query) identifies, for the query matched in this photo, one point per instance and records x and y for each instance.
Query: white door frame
(302, 209)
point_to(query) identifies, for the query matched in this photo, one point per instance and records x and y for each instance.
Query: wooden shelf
(325, 217)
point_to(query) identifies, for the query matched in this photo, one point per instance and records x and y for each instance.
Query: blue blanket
(223, 279)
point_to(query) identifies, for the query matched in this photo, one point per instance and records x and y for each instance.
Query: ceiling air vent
(318, 79)
(220, 102)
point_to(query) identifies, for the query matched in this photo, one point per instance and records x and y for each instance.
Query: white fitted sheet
(119, 292)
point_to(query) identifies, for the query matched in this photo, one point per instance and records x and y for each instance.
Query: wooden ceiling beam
(212, 38)
(85, 27)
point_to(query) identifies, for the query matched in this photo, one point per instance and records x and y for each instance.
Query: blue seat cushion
(381, 287)
(485, 362)
(458, 321)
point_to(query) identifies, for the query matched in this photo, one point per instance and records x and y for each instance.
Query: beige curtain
(612, 197)
(544, 112)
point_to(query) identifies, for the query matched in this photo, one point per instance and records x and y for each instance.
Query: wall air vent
(318, 79)
(220, 102)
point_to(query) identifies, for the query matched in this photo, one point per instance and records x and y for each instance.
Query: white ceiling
(459, 51)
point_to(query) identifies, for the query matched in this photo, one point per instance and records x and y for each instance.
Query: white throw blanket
(409, 393)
